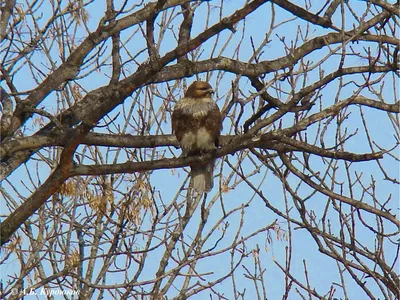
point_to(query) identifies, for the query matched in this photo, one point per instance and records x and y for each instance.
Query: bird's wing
(187, 118)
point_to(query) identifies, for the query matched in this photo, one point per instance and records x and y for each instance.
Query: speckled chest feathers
(197, 125)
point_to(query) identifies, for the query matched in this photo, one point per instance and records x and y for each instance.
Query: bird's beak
(211, 91)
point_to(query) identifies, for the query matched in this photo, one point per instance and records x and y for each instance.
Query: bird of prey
(197, 124)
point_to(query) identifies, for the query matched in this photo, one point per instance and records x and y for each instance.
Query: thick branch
(392, 8)
(7, 110)
(304, 14)
(394, 108)
(6, 12)
(266, 141)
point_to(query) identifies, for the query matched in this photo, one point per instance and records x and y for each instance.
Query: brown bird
(197, 124)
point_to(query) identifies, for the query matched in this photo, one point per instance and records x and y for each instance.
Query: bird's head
(199, 89)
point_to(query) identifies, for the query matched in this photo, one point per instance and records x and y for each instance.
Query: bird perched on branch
(197, 124)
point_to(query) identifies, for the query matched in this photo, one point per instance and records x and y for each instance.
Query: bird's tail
(202, 180)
